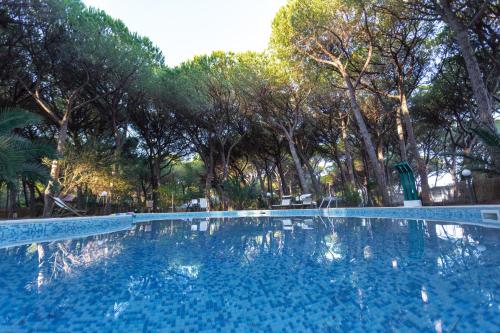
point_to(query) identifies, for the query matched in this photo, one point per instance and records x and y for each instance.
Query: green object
(416, 235)
(407, 181)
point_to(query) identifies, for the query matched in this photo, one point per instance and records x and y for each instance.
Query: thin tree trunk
(348, 155)
(262, 183)
(358, 115)
(314, 179)
(155, 183)
(116, 159)
(401, 136)
(51, 189)
(270, 183)
(296, 161)
(25, 193)
(453, 170)
(209, 176)
(343, 172)
(366, 176)
(222, 191)
(80, 204)
(32, 199)
(421, 166)
(310, 169)
(12, 201)
(282, 182)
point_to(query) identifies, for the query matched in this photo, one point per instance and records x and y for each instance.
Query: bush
(351, 196)
(241, 195)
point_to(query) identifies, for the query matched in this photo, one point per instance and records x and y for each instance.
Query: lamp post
(467, 175)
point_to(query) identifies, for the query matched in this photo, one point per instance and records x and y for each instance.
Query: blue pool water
(307, 274)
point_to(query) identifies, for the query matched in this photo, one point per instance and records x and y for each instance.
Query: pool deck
(458, 214)
(26, 231)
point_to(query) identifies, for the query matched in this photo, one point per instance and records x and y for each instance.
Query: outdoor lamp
(466, 173)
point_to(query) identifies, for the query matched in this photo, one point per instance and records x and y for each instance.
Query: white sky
(185, 28)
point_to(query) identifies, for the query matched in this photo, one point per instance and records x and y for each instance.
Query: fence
(484, 190)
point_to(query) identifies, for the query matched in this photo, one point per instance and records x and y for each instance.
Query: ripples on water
(258, 275)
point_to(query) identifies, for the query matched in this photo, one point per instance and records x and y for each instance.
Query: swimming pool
(254, 274)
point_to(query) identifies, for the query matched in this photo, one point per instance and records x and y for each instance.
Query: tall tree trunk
(32, 199)
(262, 183)
(401, 136)
(453, 170)
(80, 203)
(314, 179)
(116, 159)
(209, 166)
(343, 172)
(145, 194)
(282, 181)
(380, 152)
(348, 155)
(481, 95)
(25, 192)
(225, 172)
(52, 187)
(421, 166)
(358, 115)
(296, 161)
(310, 169)
(269, 176)
(155, 182)
(12, 201)
(366, 176)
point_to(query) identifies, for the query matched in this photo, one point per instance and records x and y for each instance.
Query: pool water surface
(268, 274)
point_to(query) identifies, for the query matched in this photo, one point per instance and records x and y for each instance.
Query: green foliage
(350, 196)
(18, 155)
(320, 30)
(241, 195)
(183, 182)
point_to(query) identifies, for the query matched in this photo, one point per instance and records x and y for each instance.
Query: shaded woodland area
(346, 90)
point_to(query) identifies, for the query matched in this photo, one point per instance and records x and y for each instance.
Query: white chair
(203, 226)
(194, 204)
(284, 203)
(305, 200)
(287, 224)
(203, 203)
(61, 204)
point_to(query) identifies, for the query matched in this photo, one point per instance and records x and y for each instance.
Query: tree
(67, 51)
(403, 51)
(278, 97)
(213, 117)
(156, 124)
(337, 35)
(474, 26)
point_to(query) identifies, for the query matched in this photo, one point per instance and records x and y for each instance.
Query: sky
(185, 28)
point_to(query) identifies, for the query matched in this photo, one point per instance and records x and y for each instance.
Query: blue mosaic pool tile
(326, 274)
(462, 214)
(19, 232)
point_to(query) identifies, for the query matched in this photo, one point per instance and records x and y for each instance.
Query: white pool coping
(26, 231)
(461, 214)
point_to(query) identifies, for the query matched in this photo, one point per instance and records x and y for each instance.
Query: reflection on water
(68, 257)
(256, 274)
